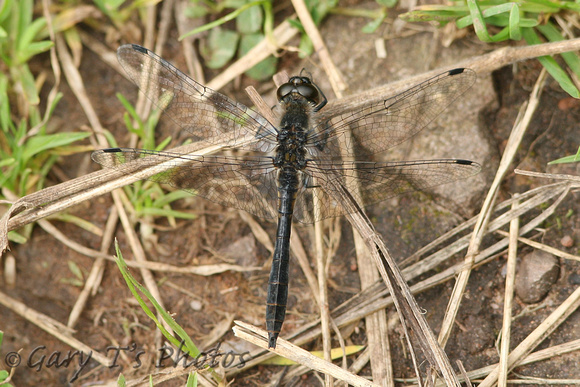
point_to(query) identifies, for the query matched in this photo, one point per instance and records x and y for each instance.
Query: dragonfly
(290, 169)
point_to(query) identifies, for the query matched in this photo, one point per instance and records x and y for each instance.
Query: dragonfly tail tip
(272, 337)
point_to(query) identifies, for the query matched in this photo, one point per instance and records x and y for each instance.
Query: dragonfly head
(303, 86)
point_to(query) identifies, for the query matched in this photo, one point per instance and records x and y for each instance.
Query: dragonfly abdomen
(279, 277)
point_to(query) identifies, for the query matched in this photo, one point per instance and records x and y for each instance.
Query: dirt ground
(220, 235)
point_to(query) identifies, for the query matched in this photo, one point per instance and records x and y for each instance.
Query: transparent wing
(371, 182)
(382, 125)
(206, 114)
(244, 182)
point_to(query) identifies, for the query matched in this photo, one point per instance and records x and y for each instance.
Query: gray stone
(536, 274)
(574, 279)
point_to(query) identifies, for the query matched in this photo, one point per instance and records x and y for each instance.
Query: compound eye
(309, 92)
(302, 86)
(284, 90)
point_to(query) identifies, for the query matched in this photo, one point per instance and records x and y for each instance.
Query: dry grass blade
(53, 327)
(534, 198)
(52, 95)
(508, 299)
(543, 247)
(338, 84)
(544, 354)
(570, 178)
(51, 200)
(75, 81)
(479, 231)
(104, 53)
(258, 337)
(464, 373)
(300, 253)
(376, 324)
(185, 24)
(260, 234)
(164, 24)
(537, 336)
(375, 297)
(139, 254)
(282, 34)
(322, 288)
(9, 274)
(96, 274)
(544, 381)
(412, 319)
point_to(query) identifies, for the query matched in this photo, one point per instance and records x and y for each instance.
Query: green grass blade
(28, 84)
(6, 162)
(478, 22)
(419, 16)
(567, 159)
(372, 26)
(550, 31)
(230, 16)
(552, 66)
(192, 380)
(15, 237)
(170, 197)
(121, 381)
(79, 222)
(42, 143)
(135, 287)
(544, 6)
(514, 23)
(163, 144)
(5, 8)
(571, 5)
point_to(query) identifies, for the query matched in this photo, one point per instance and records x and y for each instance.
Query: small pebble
(568, 103)
(196, 305)
(567, 241)
(536, 274)
(10, 270)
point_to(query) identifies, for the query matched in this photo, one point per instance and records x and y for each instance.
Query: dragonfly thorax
(292, 135)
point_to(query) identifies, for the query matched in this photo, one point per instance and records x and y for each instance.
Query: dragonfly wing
(244, 182)
(207, 115)
(313, 202)
(382, 125)
(372, 182)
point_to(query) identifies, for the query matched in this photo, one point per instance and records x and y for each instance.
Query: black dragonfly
(289, 169)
